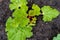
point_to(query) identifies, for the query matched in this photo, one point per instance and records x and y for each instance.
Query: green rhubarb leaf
(19, 13)
(11, 23)
(49, 13)
(35, 7)
(35, 10)
(19, 33)
(28, 32)
(24, 8)
(57, 38)
(15, 4)
(17, 21)
(24, 22)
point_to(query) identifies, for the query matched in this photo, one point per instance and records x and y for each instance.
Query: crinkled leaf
(12, 22)
(49, 13)
(15, 4)
(57, 38)
(24, 22)
(35, 10)
(24, 8)
(35, 7)
(19, 33)
(19, 13)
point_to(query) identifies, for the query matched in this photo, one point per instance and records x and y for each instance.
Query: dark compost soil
(42, 31)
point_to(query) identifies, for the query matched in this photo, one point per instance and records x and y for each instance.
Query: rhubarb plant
(19, 26)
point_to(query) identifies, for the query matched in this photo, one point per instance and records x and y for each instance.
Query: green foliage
(15, 4)
(19, 33)
(49, 13)
(18, 27)
(57, 38)
(35, 10)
